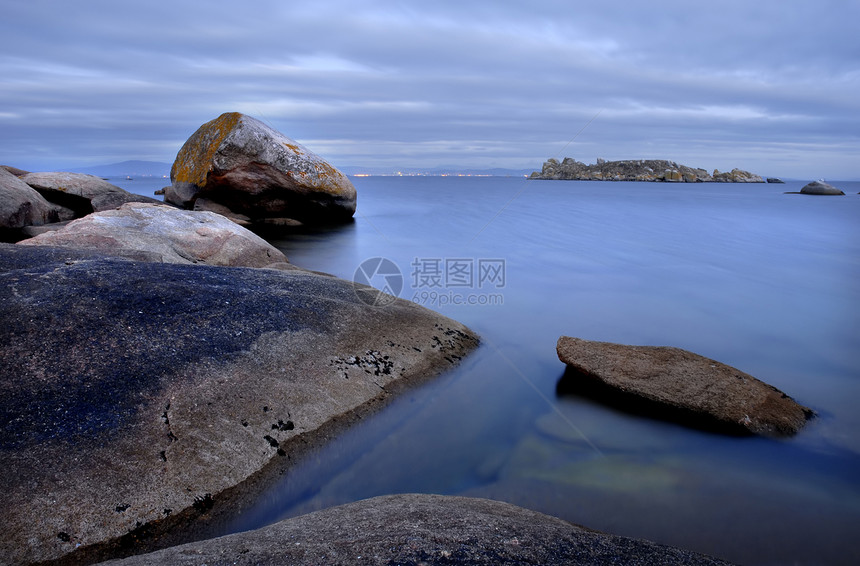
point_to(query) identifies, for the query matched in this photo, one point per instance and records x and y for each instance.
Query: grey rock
(140, 399)
(423, 529)
(80, 192)
(820, 188)
(676, 383)
(775, 180)
(14, 170)
(253, 171)
(157, 232)
(22, 206)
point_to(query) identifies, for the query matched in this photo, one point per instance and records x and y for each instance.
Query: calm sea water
(761, 280)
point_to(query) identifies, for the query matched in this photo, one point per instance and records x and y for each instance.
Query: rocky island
(570, 169)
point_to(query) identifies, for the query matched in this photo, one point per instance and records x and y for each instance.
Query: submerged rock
(157, 232)
(424, 529)
(820, 188)
(140, 397)
(684, 386)
(239, 164)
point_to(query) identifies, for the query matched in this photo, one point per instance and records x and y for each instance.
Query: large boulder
(157, 232)
(679, 384)
(243, 165)
(820, 188)
(22, 206)
(80, 192)
(140, 397)
(423, 529)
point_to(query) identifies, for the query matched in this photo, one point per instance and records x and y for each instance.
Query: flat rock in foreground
(157, 232)
(686, 385)
(423, 529)
(138, 397)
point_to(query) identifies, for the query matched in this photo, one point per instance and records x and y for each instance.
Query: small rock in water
(820, 188)
(693, 388)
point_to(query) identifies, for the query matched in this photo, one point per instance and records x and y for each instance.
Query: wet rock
(820, 188)
(775, 180)
(80, 192)
(681, 385)
(142, 399)
(244, 166)
(157, 232)
(424, 529)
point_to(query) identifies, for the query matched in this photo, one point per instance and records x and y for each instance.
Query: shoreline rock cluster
(31, 203)
(162, 364)
(570, 169)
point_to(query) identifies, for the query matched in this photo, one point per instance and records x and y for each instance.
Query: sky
(769, 86)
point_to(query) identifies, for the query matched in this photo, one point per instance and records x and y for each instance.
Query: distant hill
(431, 172)
(134, 168)
(138, 168)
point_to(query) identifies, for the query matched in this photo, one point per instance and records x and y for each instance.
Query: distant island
(638, 170)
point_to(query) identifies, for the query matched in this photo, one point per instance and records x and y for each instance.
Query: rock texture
(820, 188)
(638, 170)
(238, 163)
(423, 529)
(80, 192)
(157, 232)
(22, 206)
(736, 176)
(14, 170)
(139, 397)
(684, 385)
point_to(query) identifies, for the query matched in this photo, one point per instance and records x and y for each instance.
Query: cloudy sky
(770, 86)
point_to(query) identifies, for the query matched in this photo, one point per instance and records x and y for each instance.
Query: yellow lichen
(194, 160)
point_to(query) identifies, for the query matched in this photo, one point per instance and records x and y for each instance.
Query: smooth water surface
(761, 280)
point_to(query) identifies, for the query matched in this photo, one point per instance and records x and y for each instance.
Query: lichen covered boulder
(237, 163)
(681, 385)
